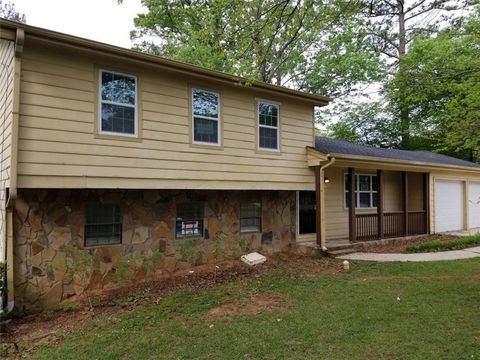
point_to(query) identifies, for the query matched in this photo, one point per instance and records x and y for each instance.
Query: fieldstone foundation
(52, 264)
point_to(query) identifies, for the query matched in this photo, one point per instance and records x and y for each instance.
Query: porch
(411, 220)
(366, 203)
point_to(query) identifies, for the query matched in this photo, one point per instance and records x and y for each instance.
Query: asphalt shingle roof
(328, 146)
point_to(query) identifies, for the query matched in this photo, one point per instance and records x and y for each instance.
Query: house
(118, 166)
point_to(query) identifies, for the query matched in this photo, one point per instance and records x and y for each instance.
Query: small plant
(69, 307)
(47, 315)
(444, 245)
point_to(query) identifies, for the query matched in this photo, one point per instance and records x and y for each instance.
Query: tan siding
(415, 191)
(7, 72)
(56, 132)
(336, 215)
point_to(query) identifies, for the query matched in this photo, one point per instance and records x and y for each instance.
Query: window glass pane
(205, 130)
(268, 114)
(190, 219)
(205, 103)
(307, 214)
(250, 217)
(103, 224)
(375, 199)
(118, 118)
(268, 138)
(374, 183)
(364, 182)
(365, 200)
(118, 88)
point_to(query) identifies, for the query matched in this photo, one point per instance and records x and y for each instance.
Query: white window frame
(219, 127)
(101, 101)
(357, 192)
(277, 105)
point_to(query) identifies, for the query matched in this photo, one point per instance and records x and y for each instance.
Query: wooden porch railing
(393, 225)
(417, 223)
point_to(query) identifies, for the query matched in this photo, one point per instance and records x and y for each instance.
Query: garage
(474, 205)
(449, 205)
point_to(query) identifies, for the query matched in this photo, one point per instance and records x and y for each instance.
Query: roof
(172, 65)
(333, 146)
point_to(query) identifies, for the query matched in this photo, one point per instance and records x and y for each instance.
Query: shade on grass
(377, 311)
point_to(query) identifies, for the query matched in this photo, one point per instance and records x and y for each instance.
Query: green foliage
(189, 251)
(293, 43)
(69, 307)
(442, 75)
(369, 124)
(121, 270)
(444, 245)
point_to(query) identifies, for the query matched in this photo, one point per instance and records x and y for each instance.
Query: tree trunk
(403, 108)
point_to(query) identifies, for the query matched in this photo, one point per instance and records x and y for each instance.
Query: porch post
(405, 202)
(380, 203)
(426, 201)
(352, 221)
(318, 206)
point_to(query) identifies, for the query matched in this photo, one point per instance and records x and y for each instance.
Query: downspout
(331, 160)
(12, 193)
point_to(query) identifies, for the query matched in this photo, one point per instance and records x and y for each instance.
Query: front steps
(334, 248)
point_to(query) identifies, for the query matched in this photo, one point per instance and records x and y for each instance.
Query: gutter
(12, 191)
(331, 161)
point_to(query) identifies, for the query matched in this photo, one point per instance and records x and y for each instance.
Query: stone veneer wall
(52, 264)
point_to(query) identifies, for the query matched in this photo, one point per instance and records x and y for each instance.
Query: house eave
(40, 34)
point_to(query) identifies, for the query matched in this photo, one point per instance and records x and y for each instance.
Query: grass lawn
(376, 311)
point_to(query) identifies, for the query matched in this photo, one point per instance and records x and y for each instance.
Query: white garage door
(474, 205)
(448, 205)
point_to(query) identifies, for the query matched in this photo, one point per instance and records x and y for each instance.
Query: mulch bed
(398, 245)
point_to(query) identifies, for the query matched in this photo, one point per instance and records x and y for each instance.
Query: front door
(306, 212)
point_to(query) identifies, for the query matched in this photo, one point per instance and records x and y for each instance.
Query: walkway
(436, 256)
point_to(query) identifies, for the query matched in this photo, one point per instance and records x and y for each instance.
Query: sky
(100, 20)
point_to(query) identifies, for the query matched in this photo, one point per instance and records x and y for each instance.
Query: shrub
(444, 245)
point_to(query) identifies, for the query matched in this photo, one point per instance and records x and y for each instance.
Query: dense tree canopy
(305, 44)
(442, 75)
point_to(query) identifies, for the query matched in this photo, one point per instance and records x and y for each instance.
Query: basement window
(190, 220)
(103, 225)
(250, 217)
(118, 104)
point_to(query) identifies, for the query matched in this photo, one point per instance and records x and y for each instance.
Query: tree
(7, 11)
(392, 26)
(284, 42)
(442, 80)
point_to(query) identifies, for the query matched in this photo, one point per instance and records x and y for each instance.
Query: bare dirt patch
(398, 245)
(49, 326)
(266, 303)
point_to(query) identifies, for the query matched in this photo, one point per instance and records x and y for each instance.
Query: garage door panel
(474, 205)
(449, 200)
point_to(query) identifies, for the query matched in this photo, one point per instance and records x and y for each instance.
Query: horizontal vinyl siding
(7, 75)
(57, 146)
(336, 215)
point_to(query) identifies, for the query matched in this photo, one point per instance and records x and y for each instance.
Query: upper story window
(268, 126)
(206, 117)
(118, 104)
(366, 191)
